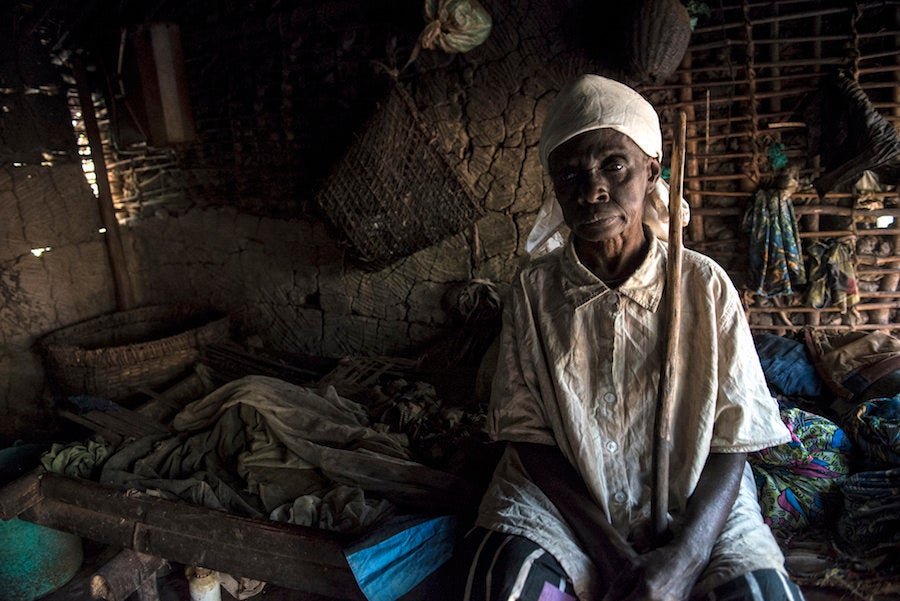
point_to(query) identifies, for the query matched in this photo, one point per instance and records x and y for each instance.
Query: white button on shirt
(611, 446)
(620, 497)
(609, 397)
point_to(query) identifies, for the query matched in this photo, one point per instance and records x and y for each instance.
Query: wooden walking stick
(665, 409)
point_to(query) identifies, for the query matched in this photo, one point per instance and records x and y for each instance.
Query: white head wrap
(593, 102)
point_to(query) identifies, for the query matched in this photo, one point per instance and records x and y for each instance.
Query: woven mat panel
(355, 375)
(394, 192)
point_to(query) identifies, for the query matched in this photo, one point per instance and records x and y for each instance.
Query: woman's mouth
(598, 219)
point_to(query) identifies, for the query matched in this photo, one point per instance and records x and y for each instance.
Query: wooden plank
(20, 494)
(841, 233)
(807, 210)
(114, 422)
(124, 291)
(111, 436)
(305, 559)
(798, 309)
(866, 327)
(126, 573)
(136, 422)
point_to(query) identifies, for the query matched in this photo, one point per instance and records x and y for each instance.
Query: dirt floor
(173, 585)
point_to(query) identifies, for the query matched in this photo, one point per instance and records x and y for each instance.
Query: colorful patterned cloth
(875, 428)
(832, 276)
(776, 259)
(798, 481)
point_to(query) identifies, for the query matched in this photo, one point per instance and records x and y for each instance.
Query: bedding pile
(262, 447)
(832, 495)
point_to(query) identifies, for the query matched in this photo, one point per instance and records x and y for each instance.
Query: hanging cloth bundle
(832, 275)
(776, 260)
(453, 26)
(848, 133)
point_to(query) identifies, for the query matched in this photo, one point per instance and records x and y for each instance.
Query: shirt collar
(644, 286)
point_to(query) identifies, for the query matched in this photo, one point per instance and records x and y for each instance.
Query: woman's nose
(593, 188)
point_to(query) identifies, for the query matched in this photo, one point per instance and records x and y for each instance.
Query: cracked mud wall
(50, 209)
(287, 282)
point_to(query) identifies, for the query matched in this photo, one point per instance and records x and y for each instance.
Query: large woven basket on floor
(395, 191)
(115, 355)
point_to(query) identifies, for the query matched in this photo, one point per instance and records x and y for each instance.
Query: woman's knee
(761, 585)
(505, 566)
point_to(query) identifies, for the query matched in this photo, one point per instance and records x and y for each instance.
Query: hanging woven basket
(658, 37)
(395, 191)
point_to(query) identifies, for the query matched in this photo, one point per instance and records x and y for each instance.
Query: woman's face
(601, 178)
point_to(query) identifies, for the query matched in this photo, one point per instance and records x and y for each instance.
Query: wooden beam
(114, 248)
(20, 494)
(297, 557)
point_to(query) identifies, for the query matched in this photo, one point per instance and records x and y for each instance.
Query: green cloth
(75, 459)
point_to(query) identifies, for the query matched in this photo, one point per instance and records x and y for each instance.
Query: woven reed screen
(394, 192)
(746, 81)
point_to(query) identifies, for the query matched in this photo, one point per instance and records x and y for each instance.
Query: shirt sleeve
(516, 412)
(747, 417)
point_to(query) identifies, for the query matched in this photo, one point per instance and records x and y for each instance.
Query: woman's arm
(555, 476)
(669, 572)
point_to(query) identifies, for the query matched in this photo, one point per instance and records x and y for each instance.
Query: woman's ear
(655, 171)
(655, 168)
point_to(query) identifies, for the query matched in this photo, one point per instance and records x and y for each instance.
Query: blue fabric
(386, 567)
(788, 368)
(875, 426)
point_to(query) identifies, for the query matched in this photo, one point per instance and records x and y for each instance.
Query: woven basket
(659, 35)
(115, 355)
(394, 192)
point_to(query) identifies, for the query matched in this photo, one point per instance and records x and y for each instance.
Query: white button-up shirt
(579, 368)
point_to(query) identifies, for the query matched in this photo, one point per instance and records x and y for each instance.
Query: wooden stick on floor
(659, 504)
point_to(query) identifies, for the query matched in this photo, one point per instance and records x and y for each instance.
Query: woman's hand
(556, 477)
(669, 572)
(664, 574)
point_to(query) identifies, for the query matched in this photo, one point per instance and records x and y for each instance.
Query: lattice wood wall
(749, 68)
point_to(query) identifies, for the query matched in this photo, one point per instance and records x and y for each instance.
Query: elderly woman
(567, 512)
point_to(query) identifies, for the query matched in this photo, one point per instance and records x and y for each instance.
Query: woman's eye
(614, 166)
(567, 177)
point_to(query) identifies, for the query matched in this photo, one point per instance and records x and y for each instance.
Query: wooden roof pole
(114, 249)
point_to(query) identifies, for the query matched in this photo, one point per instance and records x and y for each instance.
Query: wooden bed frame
(306, 559)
